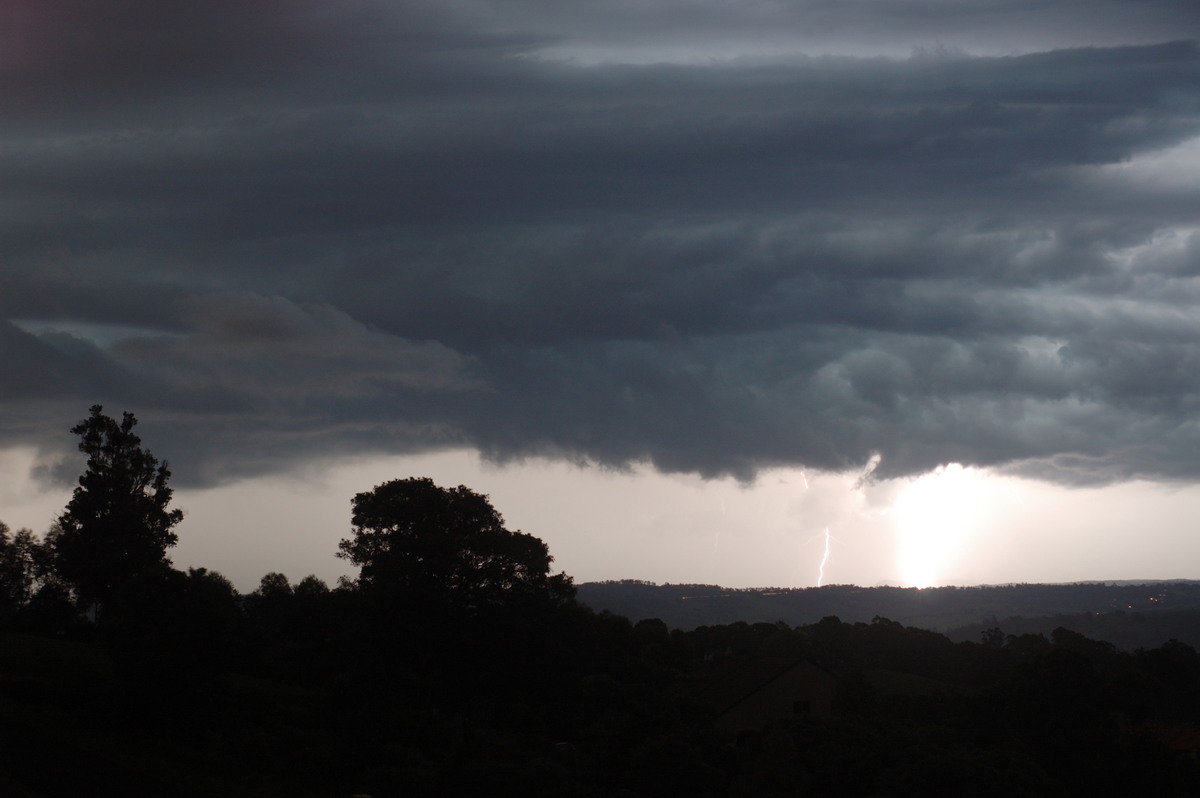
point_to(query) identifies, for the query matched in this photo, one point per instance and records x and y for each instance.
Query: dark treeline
(457, 663)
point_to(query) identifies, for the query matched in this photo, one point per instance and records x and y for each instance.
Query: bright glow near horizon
(955, 525)
(934, 515)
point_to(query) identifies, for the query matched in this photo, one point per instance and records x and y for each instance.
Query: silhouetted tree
(18, 567)
(274, 586)
(31, 594)
(311, 586)
(447, 545)
(117, 526)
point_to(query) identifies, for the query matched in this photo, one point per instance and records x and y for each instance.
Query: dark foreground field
(311, 692)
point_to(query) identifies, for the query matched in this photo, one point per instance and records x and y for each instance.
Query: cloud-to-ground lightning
(825, 555)
(824, 560)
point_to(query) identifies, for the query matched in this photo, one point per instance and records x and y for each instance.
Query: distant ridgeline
(1123, 613)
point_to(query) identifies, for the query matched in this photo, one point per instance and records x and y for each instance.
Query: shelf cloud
(713, 237)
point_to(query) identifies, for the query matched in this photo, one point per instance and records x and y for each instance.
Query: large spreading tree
(117, 526)
(446, 545)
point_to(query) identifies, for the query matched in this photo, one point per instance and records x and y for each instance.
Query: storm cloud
(714, 237)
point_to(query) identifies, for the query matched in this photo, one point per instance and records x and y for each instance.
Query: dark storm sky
(714, 236)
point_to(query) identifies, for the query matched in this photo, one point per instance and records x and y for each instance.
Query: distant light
(933, 515)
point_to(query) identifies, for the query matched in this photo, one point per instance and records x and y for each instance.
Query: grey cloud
(610, 29)
(272, 349)
(397, 226)
(249, 385)
(919, 401)
(34, 368)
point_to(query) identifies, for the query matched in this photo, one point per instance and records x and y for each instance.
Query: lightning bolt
(825, 559)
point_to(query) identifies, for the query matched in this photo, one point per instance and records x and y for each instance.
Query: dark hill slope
(1129, 615)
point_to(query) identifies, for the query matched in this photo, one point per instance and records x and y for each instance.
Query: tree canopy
(446, 544)
(19, 554)
(117, 525)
